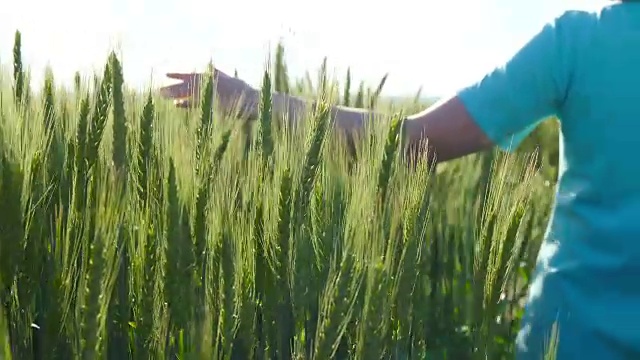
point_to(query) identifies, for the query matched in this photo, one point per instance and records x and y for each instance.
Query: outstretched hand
(229, 91)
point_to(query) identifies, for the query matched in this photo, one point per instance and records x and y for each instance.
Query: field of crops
(134, 230)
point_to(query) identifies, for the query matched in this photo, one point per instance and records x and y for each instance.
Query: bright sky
(441, 45)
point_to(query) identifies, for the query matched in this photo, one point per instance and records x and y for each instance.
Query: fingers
(182, 76)
(190, 83)
(175, 91)
(193, 77)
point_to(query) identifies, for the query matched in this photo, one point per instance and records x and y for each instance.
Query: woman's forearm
(346, 119)
(445, 130)
(350, 121)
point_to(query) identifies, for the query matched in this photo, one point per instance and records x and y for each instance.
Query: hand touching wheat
(229, 90)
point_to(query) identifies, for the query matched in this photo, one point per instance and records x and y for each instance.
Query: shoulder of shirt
(589, 12)
(578, 23)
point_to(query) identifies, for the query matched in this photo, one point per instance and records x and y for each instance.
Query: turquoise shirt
(584, 68)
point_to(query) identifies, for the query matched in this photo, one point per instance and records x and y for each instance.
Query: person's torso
(592, 248)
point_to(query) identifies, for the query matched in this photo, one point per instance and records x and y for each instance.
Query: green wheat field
(131, 229)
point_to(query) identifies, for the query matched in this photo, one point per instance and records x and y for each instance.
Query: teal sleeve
(509, 102)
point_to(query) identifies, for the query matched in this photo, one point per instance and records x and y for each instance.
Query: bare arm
(450, 130)
(446, 126)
